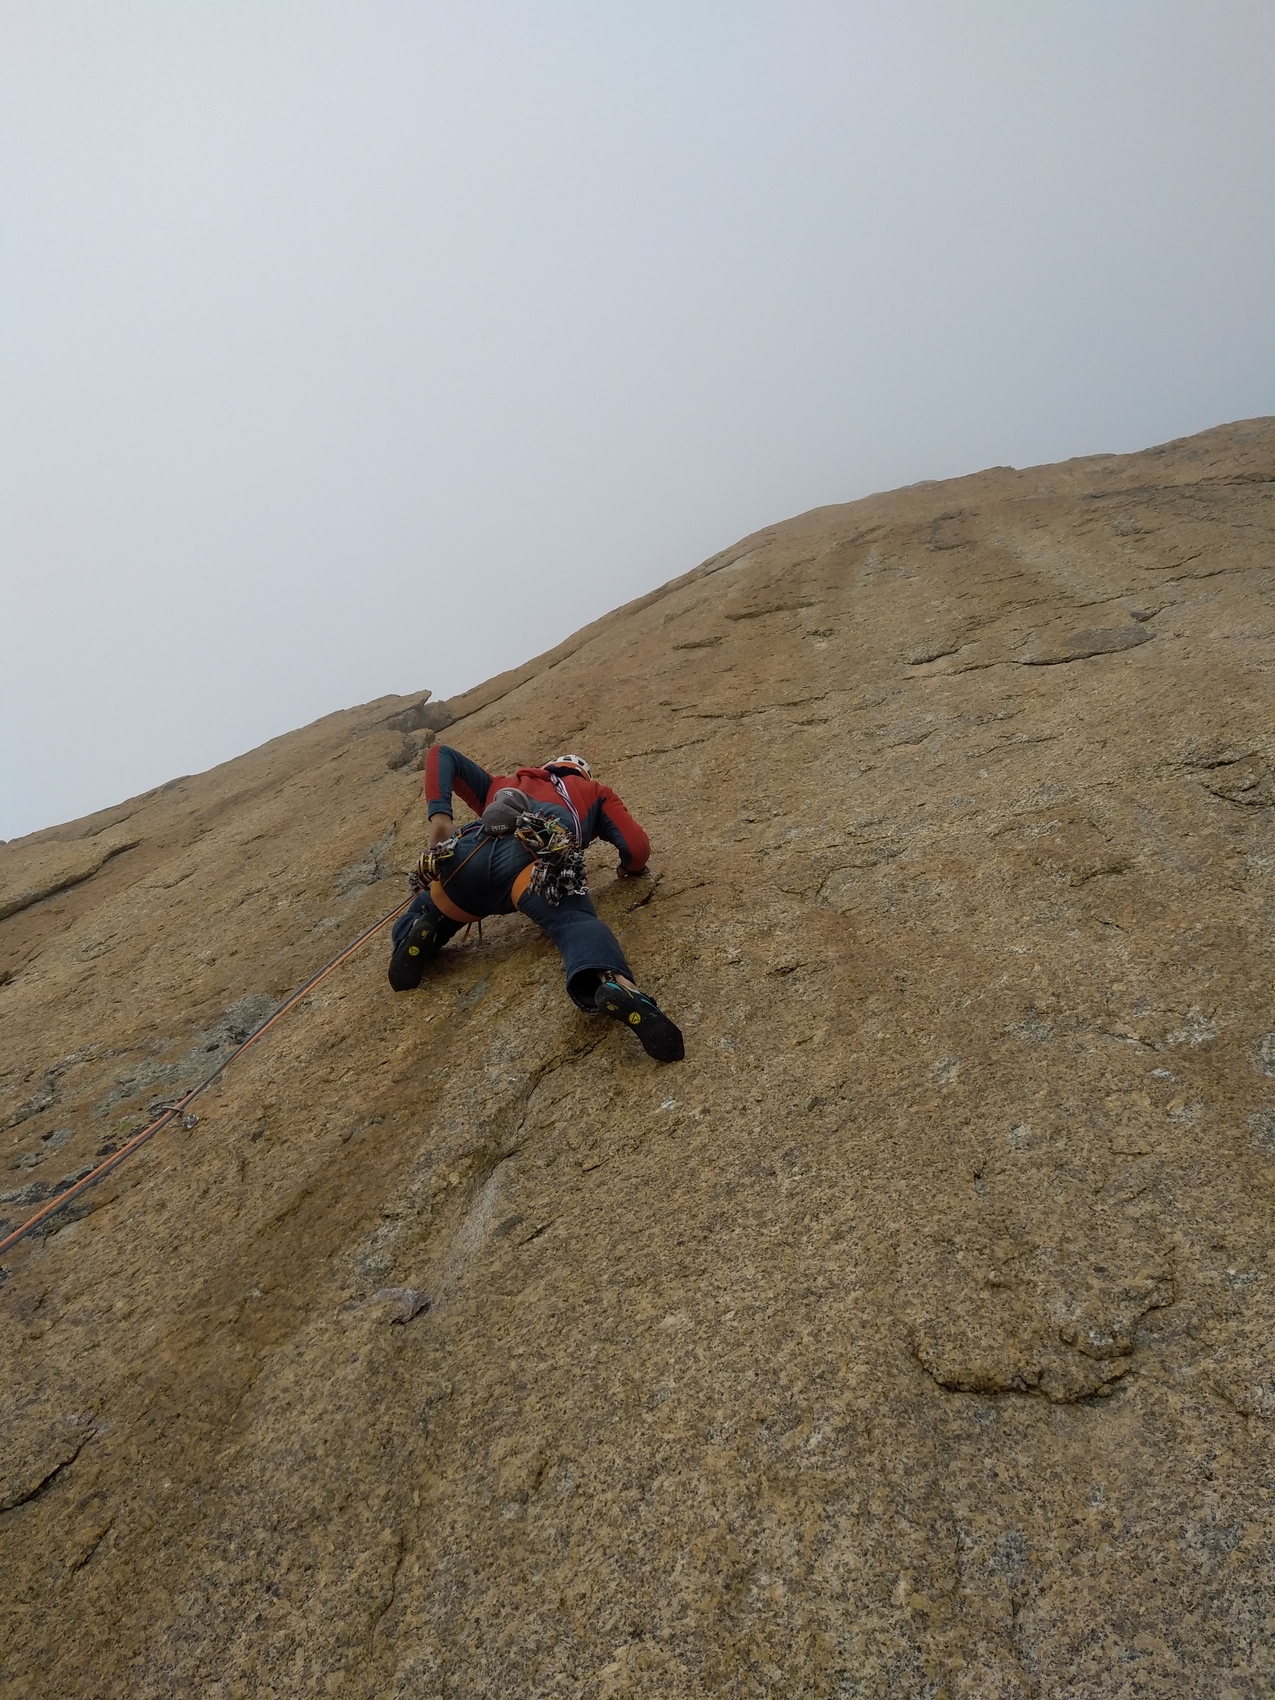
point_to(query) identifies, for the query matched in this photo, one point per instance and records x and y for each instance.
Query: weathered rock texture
(912, 1338)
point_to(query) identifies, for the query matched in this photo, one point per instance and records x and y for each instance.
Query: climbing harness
(428, 876)
(170, 1111)
(557, 870)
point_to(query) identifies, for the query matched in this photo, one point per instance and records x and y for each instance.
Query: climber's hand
(624, 873)
(440, 827)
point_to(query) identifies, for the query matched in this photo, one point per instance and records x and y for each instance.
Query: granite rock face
(913, 1337)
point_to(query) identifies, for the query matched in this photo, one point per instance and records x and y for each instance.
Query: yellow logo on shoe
(634, 1018)
(413, 950)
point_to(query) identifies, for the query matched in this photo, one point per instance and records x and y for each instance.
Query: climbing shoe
(658, 1036)
(408, 962)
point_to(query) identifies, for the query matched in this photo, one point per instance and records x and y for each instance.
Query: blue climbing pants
(482, 885)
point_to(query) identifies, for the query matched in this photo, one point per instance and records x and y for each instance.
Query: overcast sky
(349, 348)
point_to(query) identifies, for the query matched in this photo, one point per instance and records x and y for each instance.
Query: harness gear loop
(557, 871)
(438, 886)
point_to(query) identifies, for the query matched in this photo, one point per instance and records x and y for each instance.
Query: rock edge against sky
(913, 1337)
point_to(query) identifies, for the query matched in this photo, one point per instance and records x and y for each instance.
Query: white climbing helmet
(576, 763)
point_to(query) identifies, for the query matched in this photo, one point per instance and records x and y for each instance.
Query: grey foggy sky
(365, 347)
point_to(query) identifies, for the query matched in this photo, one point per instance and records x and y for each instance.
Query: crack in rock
(1082, 646)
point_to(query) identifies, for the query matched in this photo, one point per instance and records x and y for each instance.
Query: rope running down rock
(171, 1111)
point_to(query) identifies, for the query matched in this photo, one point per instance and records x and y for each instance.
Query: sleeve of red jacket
(618, 827)
(446, 770)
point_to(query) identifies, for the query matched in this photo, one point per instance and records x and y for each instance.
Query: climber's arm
(446, 770)
(618, 827)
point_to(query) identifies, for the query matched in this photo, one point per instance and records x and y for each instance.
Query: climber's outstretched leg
(595, 967)
(419, 933)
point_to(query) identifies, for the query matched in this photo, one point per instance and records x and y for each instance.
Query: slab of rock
(1082, 646)
(30, 873)
(911, 1338)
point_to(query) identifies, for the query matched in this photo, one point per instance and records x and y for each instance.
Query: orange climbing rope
(179, 1109)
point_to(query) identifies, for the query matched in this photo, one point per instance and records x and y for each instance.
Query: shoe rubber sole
(657, 1035)
(407, 965)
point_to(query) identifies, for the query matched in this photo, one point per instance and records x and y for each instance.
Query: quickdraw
(558, 870)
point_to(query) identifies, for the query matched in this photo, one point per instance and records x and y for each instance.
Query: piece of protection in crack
(500, 817)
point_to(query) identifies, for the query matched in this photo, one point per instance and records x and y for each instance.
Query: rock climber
(525, 852)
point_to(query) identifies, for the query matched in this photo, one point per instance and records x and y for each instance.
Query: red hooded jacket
(600, 812)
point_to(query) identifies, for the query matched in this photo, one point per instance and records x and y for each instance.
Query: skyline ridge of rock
(912, 1337)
